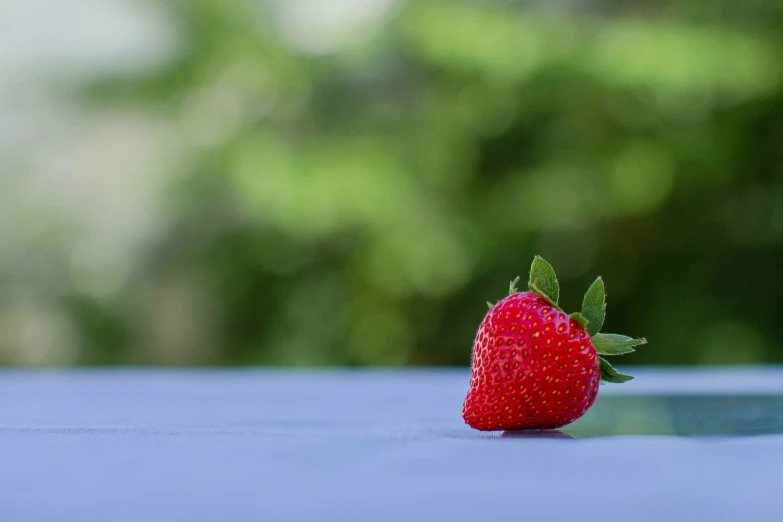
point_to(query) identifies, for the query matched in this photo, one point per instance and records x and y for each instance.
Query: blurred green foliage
(356, 198)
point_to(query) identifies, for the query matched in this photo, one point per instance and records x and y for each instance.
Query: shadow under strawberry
(536, 434)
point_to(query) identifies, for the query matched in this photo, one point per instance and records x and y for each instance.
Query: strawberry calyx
(543, 282)
(579, 318)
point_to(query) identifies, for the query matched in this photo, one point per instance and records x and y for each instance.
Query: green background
(355, 195)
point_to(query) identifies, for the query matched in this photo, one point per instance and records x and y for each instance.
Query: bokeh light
(349, 182)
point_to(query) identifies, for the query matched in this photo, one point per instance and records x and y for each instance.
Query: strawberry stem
(512, 286)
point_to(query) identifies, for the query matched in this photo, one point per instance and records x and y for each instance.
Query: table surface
(236, 445)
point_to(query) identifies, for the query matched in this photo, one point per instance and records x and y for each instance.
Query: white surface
(380, 446)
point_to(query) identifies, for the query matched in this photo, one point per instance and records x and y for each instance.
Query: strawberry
(534, 366)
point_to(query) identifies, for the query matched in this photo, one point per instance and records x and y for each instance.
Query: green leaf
(543, 280)
(490, 305)
(579, 318)
(594, 306)
(615, 344)
(512, 286)
(609, 374)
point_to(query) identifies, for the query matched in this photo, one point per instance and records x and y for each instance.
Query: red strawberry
(534, 367)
